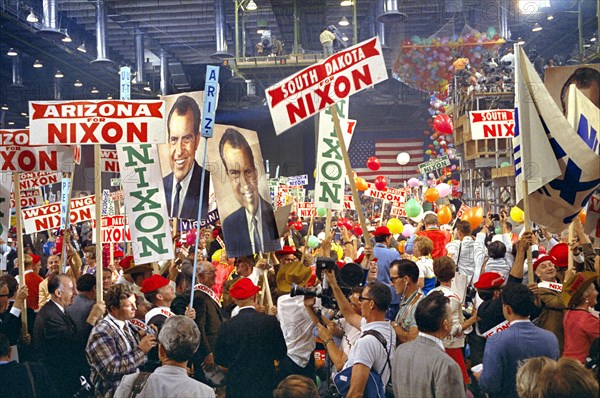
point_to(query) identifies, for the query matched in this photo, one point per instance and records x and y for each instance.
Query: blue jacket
(504, 351)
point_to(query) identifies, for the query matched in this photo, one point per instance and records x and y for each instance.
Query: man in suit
(56, 338)
(208, 318)
(10, 321)
(183, 125)
(421, 367)
(251, 228)
(248, 344)
(506, 349)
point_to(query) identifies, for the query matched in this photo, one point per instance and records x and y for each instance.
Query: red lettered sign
(109, 160)
(18, 155)
(97, 122)
(29, 198)
(390, 194)
(497, 123)
(47, 217)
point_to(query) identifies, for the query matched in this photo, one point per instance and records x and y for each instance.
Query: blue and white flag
(561, 168)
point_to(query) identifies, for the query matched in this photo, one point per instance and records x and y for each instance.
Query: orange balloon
(361, 184)
(431, 195)
(444, 215)
(582, 216)
(475, 217)
(401, 245)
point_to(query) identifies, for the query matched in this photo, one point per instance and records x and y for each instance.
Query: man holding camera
(368, 352)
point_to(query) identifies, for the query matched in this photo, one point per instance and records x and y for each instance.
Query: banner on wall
(316, 88)
(47, 217)
(97, 122)
(497, 123)
(18, 155)
(145, 203)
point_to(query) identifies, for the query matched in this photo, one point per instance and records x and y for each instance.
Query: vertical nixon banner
(331, 171)
(5, 189)
(145, 203)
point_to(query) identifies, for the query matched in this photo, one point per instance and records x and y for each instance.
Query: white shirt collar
(59, 306)
(118, 322)
(185, 184)
(437, 341)
(519, 321)
(27, 271)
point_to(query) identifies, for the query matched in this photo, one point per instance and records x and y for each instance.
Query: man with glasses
(251, 228)
(404, 277)
(182, 185)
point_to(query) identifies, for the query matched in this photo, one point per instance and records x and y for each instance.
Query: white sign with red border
(321, 85)
(390, 194)
(97, 122)
(495, 123)
(38, 179)
(18, 155)
(112, 229)
(29, 198)
(46, 217)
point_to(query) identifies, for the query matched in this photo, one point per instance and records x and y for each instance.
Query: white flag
(541, 125)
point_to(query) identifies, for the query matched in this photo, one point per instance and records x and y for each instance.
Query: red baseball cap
(35, 258)
(560, 252)
(153, 283)
(382, 231)
(126, 262)
(541, 259)
(360, 258)
(118, 253)
(285, 250)
(489, 280)
(243, 289)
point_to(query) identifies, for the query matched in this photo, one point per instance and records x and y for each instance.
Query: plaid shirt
(472, 255)
(110, 357)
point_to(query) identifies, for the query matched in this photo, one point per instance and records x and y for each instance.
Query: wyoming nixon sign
(319, 86)
(97, 122)
(47, 217)
(497, 123)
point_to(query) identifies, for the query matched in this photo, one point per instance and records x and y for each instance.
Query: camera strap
(381, 339)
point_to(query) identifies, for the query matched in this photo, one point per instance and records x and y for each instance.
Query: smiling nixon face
(242, 175)
(183, 143)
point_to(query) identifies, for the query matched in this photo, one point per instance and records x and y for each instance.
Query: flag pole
(20, 250)
(355, 197)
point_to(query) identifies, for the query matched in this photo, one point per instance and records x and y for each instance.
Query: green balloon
(498, 230)
(313, 242)
(505, 164)
(413, 208)
(321, 211)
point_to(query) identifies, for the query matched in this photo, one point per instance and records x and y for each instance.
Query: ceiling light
(11, 123)
(23, 114)
(109, 96)
(550, 17)
(78, 83)
(260, 31)
(12, 52)
(537, 27)
(59, 75)
(147, 87)
(593, 39)
(32, 18)
(94, 90)
(343, 22)
(346, 3)
(520, 41)
(251, 6)
(67, 38)
(344, 37)
(37, 64)
(27, 126)
(82, 48)
(4, 107)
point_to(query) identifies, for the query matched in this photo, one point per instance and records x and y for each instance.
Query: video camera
(348, 277)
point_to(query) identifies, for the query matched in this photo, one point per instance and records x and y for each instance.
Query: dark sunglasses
(361, 298)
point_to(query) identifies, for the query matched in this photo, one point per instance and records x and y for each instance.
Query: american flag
(386, 150)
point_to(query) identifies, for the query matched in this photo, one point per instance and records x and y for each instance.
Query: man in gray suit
(421, 368)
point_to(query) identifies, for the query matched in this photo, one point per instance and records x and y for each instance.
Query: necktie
(257, 243)
(130, 339)
(175, 212)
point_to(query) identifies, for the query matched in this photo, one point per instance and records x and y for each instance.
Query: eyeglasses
(5, 295)
(361, 298)
(394, 278)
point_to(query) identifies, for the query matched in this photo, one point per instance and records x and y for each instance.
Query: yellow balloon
(395, 226)
(517, 214)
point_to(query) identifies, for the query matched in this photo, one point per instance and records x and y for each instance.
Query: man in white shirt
(468, 254)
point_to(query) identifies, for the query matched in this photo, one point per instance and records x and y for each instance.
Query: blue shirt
(385, 256)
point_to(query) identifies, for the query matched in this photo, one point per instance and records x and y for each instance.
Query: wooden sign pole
(20, 250)
(98, 231)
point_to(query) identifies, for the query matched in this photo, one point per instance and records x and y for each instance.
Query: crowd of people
(443, 313)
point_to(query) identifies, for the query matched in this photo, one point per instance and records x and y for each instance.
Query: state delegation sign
(47, 217)
(497, 123)
(97, 122)
(18, 155)
(319, 86)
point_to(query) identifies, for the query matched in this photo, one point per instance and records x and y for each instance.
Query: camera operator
(368, 352)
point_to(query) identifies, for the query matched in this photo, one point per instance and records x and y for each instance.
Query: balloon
(582, 216)
(321, 211)
(190, 237)
(408, 230)
(298, 226)
(474, 216)
(498, 230)
(403, 158)
(395, 226)
(505, 164)
(412, 208)
(401, 245)
(380, 183)
(47, 248)
(413, 182)
(312, 242)
(443, 189)
(444, 215)
(431, 195)
(357, 230)
(373, 163)
(517, 214)
(361, 184)
(443, 124)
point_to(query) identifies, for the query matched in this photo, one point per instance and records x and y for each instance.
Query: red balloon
(373, 163)
(380, 183)
(357, 230)
(443, 124)
(298, 226)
